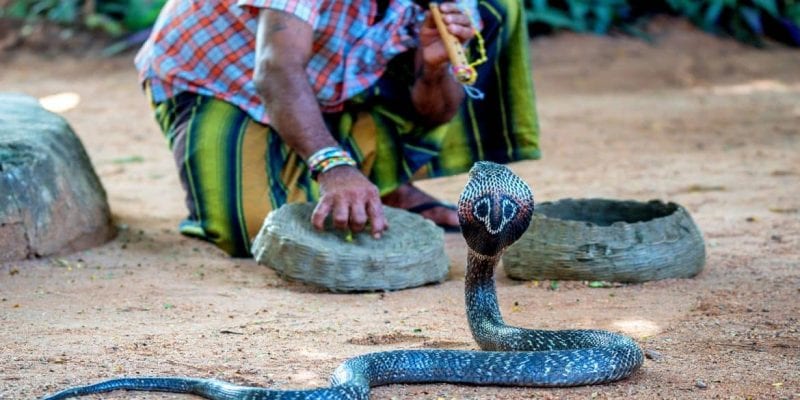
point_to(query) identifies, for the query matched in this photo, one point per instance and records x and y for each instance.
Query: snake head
(495, 208)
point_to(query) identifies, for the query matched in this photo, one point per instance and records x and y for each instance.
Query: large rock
(51, 201)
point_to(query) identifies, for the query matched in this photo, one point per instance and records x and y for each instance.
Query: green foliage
(746, 20)
(58, 11)
(142, 13)
(114, 17)
(134, 14)
(595, 16)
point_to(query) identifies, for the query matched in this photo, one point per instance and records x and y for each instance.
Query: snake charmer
(265, 102)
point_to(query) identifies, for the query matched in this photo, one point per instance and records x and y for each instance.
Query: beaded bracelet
(328, 158)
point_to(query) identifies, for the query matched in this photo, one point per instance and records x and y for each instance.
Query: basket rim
(679, 210)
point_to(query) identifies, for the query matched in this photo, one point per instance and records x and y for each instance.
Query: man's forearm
(293, 110)
(283, 46)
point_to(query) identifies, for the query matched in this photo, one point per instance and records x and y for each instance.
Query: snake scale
(495, 208)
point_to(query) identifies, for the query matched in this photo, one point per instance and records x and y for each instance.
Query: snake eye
(509, 210)
(481, 209)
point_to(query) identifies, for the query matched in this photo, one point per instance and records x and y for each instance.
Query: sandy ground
(701, 121)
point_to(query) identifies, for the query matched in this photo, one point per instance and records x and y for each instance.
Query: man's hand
(351, 199)
(458, 23)
(283, 47)
(436, 94)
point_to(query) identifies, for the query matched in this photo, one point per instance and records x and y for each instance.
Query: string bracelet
(328, 158)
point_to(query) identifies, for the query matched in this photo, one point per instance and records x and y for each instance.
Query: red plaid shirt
(208, 47)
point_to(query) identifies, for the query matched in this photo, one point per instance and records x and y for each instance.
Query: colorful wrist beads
(328, 158)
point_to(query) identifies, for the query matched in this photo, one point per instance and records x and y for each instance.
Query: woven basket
(607, 240)
(410, 253)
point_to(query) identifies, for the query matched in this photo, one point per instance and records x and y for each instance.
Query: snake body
(495, 208)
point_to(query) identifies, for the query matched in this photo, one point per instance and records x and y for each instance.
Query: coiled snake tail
(494, 210)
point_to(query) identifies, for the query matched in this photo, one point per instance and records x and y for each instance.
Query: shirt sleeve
(306, 10)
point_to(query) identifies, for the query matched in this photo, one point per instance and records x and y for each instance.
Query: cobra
(495, 208)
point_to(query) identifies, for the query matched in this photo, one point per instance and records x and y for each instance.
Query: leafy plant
(114, 17)
(134, 14)
(745, 20)
(59, 11)
(595, 16)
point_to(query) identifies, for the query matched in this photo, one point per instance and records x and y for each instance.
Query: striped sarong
(235, 170)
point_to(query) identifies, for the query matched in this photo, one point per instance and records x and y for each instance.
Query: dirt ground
(701, 121)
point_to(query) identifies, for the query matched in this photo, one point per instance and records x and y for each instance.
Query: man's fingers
(449, 7)
(349, 198)
(457, 18)
(458, 23)
(376, 218)
(463, 33)
(341, 215)
(358, 217)
(321, 212)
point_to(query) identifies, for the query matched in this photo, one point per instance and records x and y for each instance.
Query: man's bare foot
(411, 198)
